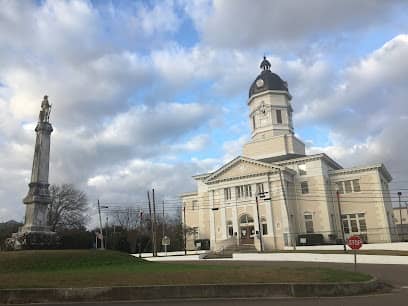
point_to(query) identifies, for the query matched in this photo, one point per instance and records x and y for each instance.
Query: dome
(267, 80)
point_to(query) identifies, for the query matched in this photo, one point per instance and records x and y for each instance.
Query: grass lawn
(92, 268)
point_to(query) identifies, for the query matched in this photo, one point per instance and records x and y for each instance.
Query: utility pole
(400, 211)
(163, 228)
(151, 221)
(259, 223)
(100, 224)
(341, 221)
(154, 226)
(106, 231)
(184, 229)
(164, 222)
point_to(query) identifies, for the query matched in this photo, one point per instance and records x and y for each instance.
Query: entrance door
(246, 230)
(247, 234)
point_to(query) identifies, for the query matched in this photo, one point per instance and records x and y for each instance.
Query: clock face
(259, 83)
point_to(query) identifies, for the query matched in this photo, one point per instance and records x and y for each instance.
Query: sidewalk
(394, 246)
(312, 257)
(302, 257)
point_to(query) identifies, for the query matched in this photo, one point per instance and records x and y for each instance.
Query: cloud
(282, 23)
(130, 182)
(196, 143)
(136, 104)
(367, 113)
(368, 96)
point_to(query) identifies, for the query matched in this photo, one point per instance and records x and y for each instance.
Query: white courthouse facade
(275, 195)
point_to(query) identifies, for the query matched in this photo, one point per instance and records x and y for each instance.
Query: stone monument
(35, 233)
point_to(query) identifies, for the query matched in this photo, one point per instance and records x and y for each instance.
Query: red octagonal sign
(354, 242)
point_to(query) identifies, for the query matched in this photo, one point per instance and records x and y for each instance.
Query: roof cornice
(274, 92)
(269, 168)
(379, 167)
(330, 161)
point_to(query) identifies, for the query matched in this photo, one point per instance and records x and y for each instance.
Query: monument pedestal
(33, 240)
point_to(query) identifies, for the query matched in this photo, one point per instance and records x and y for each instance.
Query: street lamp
(259, 221)
(399, 193)
(260, 195)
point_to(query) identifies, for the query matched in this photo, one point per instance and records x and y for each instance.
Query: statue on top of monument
(45, 110)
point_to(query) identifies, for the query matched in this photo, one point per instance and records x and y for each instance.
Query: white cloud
(196, 143)
(159, 18)
(366, 113)
(249, 24)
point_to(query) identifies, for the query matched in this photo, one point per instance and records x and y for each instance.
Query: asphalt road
(396, 275)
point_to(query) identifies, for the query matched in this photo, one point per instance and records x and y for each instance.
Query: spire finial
(265, 64)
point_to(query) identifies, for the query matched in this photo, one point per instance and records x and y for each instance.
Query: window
(243, 191)
(253, 122)
(260, 188)
(279, 116)
(347, 186)
(239, 191)
(194, 205)
(309, 223)
(196, 233)
(354, 226)
(264, 226)
(354, 223)
(302, 169)
(304, 187)
(227, 193)
(356, 185)
(339, 186)
(230, 229)
(246, 219)
(346, 226)
(248, 191)
(363, 225)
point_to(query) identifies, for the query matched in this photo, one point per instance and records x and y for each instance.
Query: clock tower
(271, 118)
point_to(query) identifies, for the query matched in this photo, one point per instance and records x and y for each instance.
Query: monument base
(32, 241)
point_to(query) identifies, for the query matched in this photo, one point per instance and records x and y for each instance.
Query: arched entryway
(246, 229)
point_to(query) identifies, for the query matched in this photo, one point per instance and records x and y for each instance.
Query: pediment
(241, 167)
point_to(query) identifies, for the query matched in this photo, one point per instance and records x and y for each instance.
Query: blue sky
(148, 93)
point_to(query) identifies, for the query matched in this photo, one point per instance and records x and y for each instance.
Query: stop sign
(354, 242)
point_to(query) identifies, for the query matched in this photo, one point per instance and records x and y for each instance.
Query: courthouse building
(275, 195)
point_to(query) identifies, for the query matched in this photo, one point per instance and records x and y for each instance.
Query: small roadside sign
(165, 240)
(165, 243)
(355, 243)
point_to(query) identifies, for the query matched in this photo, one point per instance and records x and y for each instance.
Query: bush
(76, 239)
(310, 239)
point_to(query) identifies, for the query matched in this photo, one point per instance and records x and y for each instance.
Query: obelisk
(35, 233)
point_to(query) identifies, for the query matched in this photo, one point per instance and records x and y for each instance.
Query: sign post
(165, 243)
(355, 243)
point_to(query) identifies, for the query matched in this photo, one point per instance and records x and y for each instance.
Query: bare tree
(68, 208)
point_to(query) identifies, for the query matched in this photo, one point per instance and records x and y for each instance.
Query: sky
(146, 94)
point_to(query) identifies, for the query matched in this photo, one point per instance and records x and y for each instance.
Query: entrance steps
(227, 251)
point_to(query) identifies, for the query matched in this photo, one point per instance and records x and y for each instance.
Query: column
(223, 222)
(212, 220)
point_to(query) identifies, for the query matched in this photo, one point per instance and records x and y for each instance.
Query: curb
(94, 294)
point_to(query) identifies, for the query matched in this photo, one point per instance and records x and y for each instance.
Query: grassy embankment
(91, 268)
